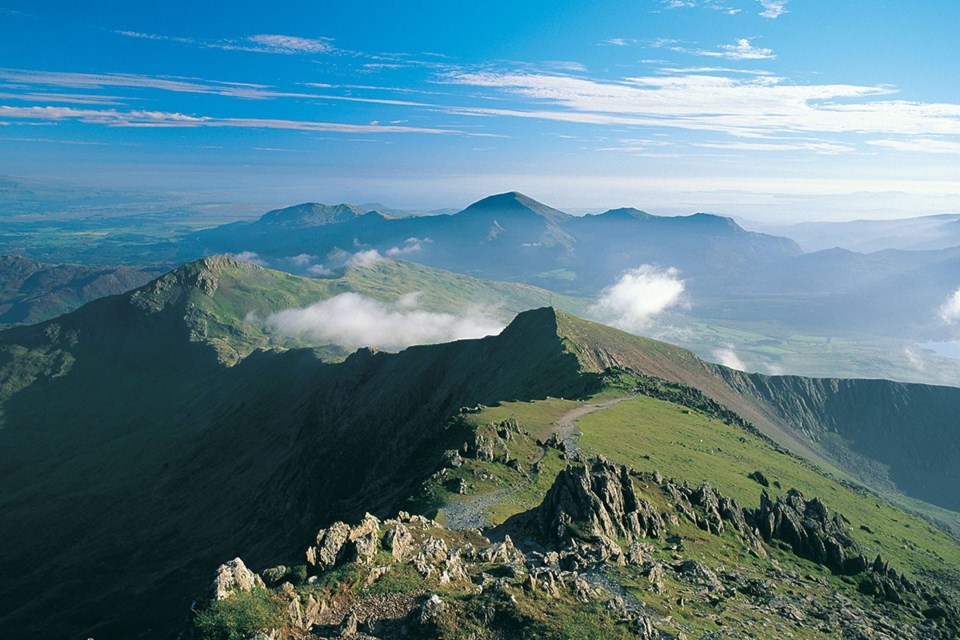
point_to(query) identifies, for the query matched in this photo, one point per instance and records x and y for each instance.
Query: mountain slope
(145, 437)
(31, 291)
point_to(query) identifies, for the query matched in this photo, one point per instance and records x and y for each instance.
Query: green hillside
(149, 437)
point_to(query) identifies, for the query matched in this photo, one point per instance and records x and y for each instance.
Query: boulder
(232, 577)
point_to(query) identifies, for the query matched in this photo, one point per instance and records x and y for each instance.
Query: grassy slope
(650, 434)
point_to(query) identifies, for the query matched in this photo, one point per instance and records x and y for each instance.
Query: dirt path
(565, 425)
(468, 513)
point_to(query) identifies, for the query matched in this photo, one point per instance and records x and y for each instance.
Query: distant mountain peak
(626, 213)
(311, 214)
(514, 203)
(714, 220)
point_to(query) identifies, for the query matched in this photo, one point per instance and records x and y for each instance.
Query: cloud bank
(950, 310)
(637, 296)
(352, 320)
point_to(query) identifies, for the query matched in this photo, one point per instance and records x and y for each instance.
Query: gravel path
(567, 429)
(468, 512)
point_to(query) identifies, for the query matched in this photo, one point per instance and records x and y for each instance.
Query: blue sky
(768, 109)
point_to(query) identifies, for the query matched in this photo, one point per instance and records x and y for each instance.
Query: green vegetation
(240, 615)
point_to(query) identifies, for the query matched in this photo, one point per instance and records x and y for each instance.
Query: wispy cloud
(742, 49)
(727, 356)
(261, 43)
(829, 148)
(758, 106)
(114, 118)
(178, 85)
(714, 5)
(773, 8)
(290, 44)
(617, 42)
(919, 145)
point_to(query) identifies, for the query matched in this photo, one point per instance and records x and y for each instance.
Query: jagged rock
(429, 613)
(637, 553)
(680, 500)
(398, 539)
(502, 552)
(654, 574)
(375, 574)
(599, 501)
(707, 498)
(543, 580)
(232, 577)
(348, 627)
(433, 553)
(366, 538)
(452, 458)
(483, 449)
(458, 486)
(807, 527)
(758, 477)
(643, 627)
(698, 573)
(274, 575)
(326, 553)
(555, 442)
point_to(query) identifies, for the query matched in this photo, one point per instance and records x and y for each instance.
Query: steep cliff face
(905, 434)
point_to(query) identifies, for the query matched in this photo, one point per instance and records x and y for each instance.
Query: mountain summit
(514, 204)
(311, 214)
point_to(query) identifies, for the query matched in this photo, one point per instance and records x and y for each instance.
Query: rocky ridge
(599, 527)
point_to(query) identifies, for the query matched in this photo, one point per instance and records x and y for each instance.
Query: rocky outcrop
(232, 577)
(341, 541)
(594, 502)
(807, 527)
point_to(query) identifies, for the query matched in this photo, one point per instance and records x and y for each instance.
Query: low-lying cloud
(638, 295)
(366, 258)
(950, 310)
(410, 245)
(352, 320)
(728, 357)
(249, 256)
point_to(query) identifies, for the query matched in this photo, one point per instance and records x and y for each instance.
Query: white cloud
(829, 148)
(728, 357)
(351, 320)
(289, 44)
(742, 49)
(366, 258)
(950, 309)
(263, 43)
(302, 260)
(637, 296)
(249, 256)
(919, 145)
(319, 270)
(914, 359)
(753, 106)
(410, 245)
(773, 8)
(142, 119)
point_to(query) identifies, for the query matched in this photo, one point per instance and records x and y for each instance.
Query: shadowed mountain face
(32, 291)
(135, 459)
